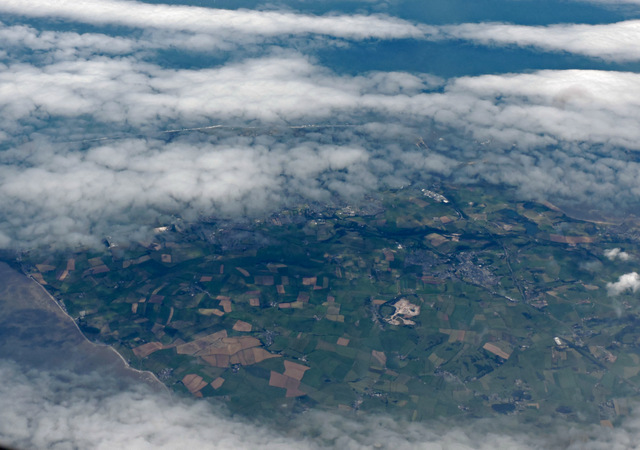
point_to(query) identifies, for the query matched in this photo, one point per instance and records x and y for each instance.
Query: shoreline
(127, 366)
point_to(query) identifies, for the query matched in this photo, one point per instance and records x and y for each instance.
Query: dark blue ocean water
(447, 58)
(438, 12)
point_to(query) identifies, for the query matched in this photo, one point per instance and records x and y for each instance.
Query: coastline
(151, 377)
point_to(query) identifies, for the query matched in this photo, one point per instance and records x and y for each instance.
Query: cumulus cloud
(614, 253)
(578, 99)
(63, 45)
(88, 117)
(541, 108)
(551, 134)
(613, 41)
(47, 46)
(65, 410)
(280, 87)
(209, 29)
(220, 22)
(206, 28)
(61, 410)
(627, 282)
(137, 181)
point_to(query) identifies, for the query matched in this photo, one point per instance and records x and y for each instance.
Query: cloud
(88, 115)
(548, 106)
(63, 45)
(219, 22)
(47, 46)
(280, 87)
(60, 410)
(540, 108)
(537, 109)
(95, 139)
(614, 253)
(65, 410)
(613, 41)
(209, 29)
(134, 182)
(626, 282)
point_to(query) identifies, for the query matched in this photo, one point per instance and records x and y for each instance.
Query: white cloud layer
(550, 134)
(627, 282)
(540, 108)
(208, 29)
(84, 152)
(285, 87)
(613, 41)
(614, 253)
(65, 410)
(546, 107)
(66, 194)
(219, 22)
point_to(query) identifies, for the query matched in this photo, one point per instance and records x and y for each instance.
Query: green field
(495, 281)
